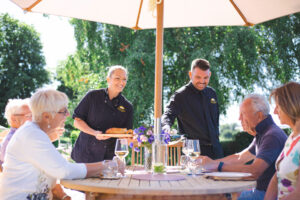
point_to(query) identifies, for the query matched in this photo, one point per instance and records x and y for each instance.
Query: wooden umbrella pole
(158, 66)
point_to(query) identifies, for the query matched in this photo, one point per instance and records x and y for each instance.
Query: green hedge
(241, 141)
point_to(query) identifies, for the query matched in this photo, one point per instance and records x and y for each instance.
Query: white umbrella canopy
(159, 14)
(177, 13)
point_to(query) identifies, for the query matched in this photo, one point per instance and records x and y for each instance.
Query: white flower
(149, 132)
(173, 132)
(144, 138)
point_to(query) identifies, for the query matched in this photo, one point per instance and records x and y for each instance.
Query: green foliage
(228, 131)
(74, 136)
(239, 142)
(21, 61)
(242, 58)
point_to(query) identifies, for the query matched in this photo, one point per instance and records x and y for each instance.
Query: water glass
(110, 169)
(184, 161)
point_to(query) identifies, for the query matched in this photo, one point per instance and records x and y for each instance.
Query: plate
(119, 135)
(110, 178)
(228, 175)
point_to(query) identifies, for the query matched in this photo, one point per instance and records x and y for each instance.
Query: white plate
(229, 174)
(110, 178)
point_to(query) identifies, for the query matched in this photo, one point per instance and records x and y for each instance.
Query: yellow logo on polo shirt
(213, 101)
(121, 109)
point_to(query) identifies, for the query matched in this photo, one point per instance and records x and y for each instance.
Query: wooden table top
(192, 185)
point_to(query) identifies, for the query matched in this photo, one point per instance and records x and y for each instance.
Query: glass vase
(148, 159)
(159, 149)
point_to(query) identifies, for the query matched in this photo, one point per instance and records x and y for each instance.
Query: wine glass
(121, 149)
(193, 149)
(185, 147)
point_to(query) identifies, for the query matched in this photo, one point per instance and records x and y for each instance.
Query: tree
(21, 61)
(242, 59)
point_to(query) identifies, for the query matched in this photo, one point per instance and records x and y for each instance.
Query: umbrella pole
(158, 68)
(159, 149)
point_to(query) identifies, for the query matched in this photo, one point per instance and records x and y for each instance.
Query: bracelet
(220, 166)
(65, 196)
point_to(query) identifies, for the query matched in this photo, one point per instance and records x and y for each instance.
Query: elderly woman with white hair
(32, 163)
(98, 111)
(17, 112)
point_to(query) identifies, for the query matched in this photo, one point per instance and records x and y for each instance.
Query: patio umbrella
(159, 14)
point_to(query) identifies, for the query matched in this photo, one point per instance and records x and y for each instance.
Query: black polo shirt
(197, 113)
(100, 113)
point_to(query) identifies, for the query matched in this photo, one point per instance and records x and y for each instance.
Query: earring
(49, 126)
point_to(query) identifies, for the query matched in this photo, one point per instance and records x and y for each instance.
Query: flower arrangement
(145, 136)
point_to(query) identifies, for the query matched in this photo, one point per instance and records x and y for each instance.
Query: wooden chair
(137, 158)
(174, 154)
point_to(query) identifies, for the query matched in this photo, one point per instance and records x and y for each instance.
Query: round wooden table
(193, 187)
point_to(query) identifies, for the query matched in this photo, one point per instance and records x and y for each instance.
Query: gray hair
(14, 106)
(114, 68)
(259, 103)
(46, 100)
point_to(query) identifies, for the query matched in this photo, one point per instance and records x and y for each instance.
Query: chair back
(137, 158)
(174, 154)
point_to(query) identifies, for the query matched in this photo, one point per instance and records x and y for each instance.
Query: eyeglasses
(65, 112)
(23, 115)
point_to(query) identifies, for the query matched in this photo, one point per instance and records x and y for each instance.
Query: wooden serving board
(118, 135)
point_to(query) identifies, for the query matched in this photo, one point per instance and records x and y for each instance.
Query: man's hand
(166, 128)
(121, 165)
(100, 136)
(207, 163)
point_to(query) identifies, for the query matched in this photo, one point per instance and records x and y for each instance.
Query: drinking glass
(121, 149)
(193, 149)
(184, 161)
(185, 146)
(110, 169)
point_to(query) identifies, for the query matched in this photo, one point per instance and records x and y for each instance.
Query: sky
(57, 37)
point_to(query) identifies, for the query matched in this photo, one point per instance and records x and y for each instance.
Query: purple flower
(139, 139)
(131, 144)
(286, 182)
(142, 128)
(136, 149)
(136, 131)
(151, 139)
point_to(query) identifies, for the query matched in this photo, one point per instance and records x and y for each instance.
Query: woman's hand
(55, 133)
(58, 193)
(100, 136)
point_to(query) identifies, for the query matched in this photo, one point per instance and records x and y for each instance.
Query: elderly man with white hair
(17, 112)
(266, 146)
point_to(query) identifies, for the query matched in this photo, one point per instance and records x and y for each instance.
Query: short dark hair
(201, 64)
